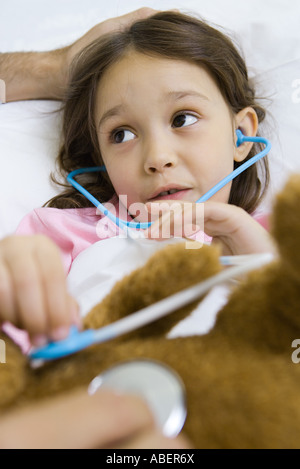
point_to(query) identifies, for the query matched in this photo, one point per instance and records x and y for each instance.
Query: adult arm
(44, 75)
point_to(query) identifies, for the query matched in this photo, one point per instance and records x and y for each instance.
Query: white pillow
(29, 142)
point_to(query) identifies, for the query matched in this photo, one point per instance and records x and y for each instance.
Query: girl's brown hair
(170, 35)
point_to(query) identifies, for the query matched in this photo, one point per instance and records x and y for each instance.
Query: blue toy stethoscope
(79, 340)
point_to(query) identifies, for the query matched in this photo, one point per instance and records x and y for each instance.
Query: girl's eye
(121, 136)
(183, 120)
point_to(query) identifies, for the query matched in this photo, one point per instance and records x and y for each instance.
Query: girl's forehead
(137, 73)
(135, 63)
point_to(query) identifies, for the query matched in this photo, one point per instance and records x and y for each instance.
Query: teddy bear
(242, 378)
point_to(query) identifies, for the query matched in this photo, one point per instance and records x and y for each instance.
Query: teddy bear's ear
(285, 223)
(168, 271)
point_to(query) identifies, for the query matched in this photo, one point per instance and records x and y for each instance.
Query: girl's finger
(34, 288)
(8, 310)
(30, 302)
(57, 306)
(178, 219)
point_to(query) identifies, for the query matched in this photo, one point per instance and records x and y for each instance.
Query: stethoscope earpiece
(240, 137)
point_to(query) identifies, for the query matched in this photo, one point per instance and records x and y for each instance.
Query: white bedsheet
(118, 257)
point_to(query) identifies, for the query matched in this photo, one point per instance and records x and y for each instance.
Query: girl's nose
(159, 158)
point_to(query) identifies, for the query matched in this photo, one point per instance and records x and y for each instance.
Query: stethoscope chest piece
(159, 385)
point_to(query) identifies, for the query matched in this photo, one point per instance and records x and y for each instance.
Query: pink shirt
(72, 230)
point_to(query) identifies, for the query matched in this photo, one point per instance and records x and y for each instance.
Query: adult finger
(105, 27)
(136, 15)
(155, 440)
(75, 421)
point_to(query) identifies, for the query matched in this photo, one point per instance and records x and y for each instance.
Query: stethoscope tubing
(80, 340)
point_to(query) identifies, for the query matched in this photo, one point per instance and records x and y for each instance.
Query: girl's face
(164, 130)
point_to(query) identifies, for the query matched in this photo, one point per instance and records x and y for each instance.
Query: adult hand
(107, 26)
(81, 421)
(44, 75)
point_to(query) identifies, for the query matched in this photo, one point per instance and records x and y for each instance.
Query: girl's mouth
(172, 194)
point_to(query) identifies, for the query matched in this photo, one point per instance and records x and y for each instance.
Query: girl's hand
(231, 227)
(33, 289)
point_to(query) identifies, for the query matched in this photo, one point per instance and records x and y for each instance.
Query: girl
(158, 104)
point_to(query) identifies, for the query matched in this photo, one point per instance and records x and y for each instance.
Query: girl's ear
(247, 121)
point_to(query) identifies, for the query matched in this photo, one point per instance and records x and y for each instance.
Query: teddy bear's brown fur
(242, 385)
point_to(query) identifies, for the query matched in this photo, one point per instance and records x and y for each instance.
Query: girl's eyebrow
(114, 111)
(176, 95)
(171, 95)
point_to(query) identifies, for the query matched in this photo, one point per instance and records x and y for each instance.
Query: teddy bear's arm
(167, 272)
